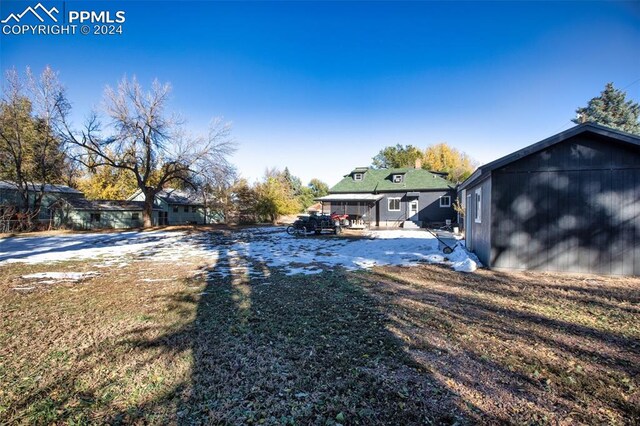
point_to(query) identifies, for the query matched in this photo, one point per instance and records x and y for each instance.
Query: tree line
(135, 143)
(132, 143)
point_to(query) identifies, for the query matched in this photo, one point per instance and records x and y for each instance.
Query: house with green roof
(406, 197)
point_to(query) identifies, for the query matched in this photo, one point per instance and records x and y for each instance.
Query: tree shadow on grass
(513, 350)
(274, 349)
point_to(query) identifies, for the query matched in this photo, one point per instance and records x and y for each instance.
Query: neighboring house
(568, 203)
(176, 207)
(407, 197)
(80, 213)
(10, 197)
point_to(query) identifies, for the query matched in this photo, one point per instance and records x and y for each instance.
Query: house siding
(175, 218)
(573, 207)
(429, 210)
(81, 219)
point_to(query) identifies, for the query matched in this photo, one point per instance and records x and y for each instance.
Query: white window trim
(478, 205)
(389, 204)
(400, 178)
(357, 176)
(448, 203)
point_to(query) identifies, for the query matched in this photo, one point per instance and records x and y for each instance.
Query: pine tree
(611, 109)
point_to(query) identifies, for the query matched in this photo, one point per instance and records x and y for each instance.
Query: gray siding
(573, 207)
(478, 234)
(429, 210)
(378, 213)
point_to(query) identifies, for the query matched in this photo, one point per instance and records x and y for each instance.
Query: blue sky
(322, 87)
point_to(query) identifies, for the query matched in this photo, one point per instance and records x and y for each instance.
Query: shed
(570, 202)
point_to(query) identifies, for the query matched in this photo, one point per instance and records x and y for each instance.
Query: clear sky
(322, 87)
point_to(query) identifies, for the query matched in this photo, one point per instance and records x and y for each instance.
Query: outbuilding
(568, 203)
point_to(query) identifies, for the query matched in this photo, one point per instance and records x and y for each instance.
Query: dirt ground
(171, 343)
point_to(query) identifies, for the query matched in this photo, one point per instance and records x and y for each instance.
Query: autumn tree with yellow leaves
(444, 158)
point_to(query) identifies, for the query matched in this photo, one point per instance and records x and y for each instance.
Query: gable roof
(35, 187)
(380, 180)
(485, 170)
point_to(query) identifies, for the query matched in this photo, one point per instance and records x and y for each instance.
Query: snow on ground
(54, 277)
(251, 252)
(109, 249)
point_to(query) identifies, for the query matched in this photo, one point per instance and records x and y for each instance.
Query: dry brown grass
(150, 344)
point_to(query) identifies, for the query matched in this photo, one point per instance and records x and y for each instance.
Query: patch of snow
(250, 252)
(52, 277)
(463, 261)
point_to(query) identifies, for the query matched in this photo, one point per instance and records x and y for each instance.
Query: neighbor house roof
(485, 171)
(176, 196)
(105, 205)
(381, 180)
(34, 186)
(349, 197)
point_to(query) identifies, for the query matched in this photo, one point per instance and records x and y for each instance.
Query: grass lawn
(162, 343)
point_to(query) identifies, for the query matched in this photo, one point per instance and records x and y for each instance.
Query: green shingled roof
(380, 180)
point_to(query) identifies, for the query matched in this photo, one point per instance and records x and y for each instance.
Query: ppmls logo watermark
(42, 20)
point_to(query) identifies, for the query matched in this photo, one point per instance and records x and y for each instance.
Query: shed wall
(574, 207)
(478, 234)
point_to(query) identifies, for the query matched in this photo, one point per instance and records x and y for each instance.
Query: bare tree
(30, 152)
(151, 143)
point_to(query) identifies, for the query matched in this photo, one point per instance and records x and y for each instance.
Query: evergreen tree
(611, 109)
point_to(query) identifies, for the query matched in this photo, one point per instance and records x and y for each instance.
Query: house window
(194, 209)
(445, 201)
(397, 178)
(357, 176)
(94, 217)
(186, 209)
(394, 204)
(175, 209)
(478, 218)
(135, 216)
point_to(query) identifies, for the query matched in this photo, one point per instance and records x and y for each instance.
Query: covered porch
(361, 208)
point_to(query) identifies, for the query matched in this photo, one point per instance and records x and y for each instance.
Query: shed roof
(380, 180)
(485, 171)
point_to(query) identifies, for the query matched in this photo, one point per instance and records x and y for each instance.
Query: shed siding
(478, 238)
(573, 207)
